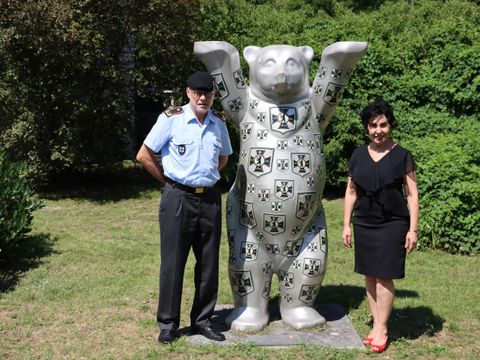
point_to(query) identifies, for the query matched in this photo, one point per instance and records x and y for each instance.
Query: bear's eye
(291, 63)
(270, 62)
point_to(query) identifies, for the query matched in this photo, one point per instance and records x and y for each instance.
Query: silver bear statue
(275, 219)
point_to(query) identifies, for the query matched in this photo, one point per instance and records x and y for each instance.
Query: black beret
(201, 81)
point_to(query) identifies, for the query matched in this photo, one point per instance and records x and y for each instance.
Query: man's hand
(146, 157)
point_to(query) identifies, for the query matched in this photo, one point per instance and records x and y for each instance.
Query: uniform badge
(173, 111)
(181, 149)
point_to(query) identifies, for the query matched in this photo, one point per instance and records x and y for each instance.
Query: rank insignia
(301, 163)
(305, 202)
(174, 111)
(276, 206)
(336, 73)
(274, 224)
(242, 282)
(246, 130)
(253, 104)
(320, 118)
(284, 189)
(235, 105)
(298, 140)
(332, 94)
(267, 268)
(297, 264)
(308, 293)
(311, 267)
(239, 81)
(282, 164)
(282, 144)
(249, 251)
(295, 230)
(273, 249)
(312, 246)
(220, 86)
(260, 161)
(292, 248)
(263, 195)
(261, 117)
(322, 72)
(283, 119)
(286, 279)
(317, 89)
(260, 235)
(247, 216)
(262, 134)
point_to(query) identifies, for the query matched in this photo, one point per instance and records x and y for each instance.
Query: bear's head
(279, 73)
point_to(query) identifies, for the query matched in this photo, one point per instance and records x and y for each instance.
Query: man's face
(200, 101)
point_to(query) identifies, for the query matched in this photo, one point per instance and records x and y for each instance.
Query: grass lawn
(87, 289)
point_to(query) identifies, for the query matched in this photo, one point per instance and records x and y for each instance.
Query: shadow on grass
(103, 186)
(27, 255)
(112, 185)
(413, 322)
(408, 323)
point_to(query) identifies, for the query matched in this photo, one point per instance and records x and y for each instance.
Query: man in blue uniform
(194, 146)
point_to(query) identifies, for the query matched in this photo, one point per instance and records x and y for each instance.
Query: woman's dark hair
(378, 108)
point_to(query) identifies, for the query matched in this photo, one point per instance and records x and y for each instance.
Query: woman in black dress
(382, 193)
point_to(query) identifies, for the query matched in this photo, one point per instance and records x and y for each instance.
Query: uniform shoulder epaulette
(217, 115)
(174, 111)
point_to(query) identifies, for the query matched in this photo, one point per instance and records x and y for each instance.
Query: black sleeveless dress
(381, 218)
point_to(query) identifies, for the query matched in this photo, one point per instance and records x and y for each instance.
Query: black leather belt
(191, 190)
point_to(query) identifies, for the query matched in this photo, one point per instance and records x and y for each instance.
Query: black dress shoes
(167, 336)
(208, 332)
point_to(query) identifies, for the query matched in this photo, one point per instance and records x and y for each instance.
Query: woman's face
(379, 130)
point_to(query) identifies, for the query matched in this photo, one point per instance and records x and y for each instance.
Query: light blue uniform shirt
(189, 149)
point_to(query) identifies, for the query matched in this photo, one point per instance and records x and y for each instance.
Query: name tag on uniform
(181, 149)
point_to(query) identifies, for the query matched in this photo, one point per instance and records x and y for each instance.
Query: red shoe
(379, 348)
(367, 340)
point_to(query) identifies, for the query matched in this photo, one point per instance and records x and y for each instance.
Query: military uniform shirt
(189, 149)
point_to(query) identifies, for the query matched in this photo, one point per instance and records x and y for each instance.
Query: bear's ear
(250, 54)
(307, 51)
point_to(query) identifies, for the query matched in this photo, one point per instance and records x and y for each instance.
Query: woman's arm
(350, 199)
(411, 191)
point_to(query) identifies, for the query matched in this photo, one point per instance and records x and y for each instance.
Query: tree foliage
(67, 76)
(423, 57)
(16, 205)
(72, 71)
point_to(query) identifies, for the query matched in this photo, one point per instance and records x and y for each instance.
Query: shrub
(16, 205)
(448, 172)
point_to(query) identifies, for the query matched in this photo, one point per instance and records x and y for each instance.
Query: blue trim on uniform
(189, 149)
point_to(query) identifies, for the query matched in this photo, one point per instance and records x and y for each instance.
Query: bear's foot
(302, 317)
(247, 318)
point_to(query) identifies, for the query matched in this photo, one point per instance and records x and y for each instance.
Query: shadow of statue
(28, 254)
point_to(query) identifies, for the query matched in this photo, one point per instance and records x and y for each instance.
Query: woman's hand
(347, 236)
(411, 241)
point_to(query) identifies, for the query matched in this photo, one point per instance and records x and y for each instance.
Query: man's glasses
(199, 93)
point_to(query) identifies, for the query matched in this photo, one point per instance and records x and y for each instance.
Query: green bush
(448, 171)
(70, 71)
(16, 205)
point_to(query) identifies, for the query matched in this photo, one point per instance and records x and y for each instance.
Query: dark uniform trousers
(188, 221)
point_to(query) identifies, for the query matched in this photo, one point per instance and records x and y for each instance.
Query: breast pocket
(183, 147)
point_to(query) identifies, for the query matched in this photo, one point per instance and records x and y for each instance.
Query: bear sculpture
(275, 219)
